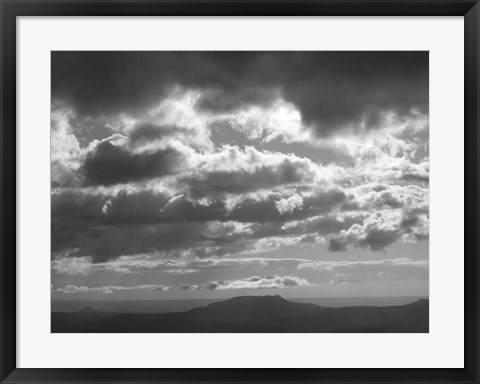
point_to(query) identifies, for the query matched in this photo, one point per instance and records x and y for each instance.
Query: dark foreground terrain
(252, 314)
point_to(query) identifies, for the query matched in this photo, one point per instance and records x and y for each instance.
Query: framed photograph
(239, 192)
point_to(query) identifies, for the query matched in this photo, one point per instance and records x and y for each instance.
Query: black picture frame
(10, 10)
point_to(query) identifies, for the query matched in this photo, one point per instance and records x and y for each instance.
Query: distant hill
(249, 308)
(87, 309)
(183, 305)
(262, 314)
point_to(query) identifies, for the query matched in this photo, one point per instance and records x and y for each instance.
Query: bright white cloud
(279, 121)
(257, 282)
(290, 204)
(64, 144)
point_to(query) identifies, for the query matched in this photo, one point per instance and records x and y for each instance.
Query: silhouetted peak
(250, 307)
(87, 309)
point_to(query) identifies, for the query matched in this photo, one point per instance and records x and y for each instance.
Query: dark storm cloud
(149, 207)
(109, 164)
(184, 210)
(217, 183)
(331, 89)
(375, 240)
(76, 206)
(323, 201)
(342, 88)
(129, 223)
(221, 100)
(104, 243)
(66, 235)
(146, 133)
(409, 221)
(130, 208)
(258, 211)
(337, 245)
(378, 239)
(99, 83)
(266, 211)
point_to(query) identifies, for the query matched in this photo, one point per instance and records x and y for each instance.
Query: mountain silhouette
(261, 314)
(87, 309)
(248, 308)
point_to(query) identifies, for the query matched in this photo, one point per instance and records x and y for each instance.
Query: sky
(183, 175)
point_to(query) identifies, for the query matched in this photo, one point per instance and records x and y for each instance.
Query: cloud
(110, 289)
(382, 229)
(110, 164)
(156, 134)
(146, 133)
(268, 244)
(181, 271)
(179, 264)
(104, 243)
(337, 245)
(396, 154)
(279, 121)
(324, 224)
(77, 206)
(290, 204)
(257, 282)
(378, 239)
(63, 142)
(253, 282)
(107, 226)
(138, 204)
(222, 230)
(232, 170)
(237, 182)
(265, 208)
(72, 265)
(65, 148)
(355, 271)
(332, 90)
(288, 271)
(333, 265)
(189, 287)
(140, 167)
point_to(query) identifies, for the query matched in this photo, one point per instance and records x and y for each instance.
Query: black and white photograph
(239, 191)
